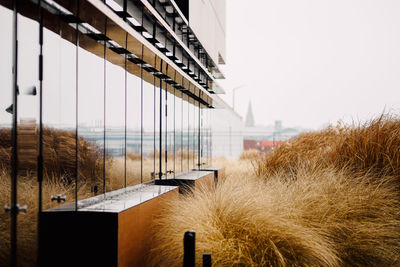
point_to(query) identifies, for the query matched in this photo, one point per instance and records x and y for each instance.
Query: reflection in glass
(196, 162)
(115, 127)
(178, 132)
(170, 130)
(133, 138)
(90, 124)
(185, 133)
(28, 118)
(190, 133)
(148, 131)
(158, 120)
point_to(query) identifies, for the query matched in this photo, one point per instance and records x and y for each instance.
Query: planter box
(111, 230)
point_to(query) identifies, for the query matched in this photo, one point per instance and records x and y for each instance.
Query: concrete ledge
(189, 181)
(111, 230)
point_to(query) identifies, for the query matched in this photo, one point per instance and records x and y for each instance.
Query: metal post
(207, 260)
(40, 154)
(14, 155)
(189, 249)
(160, 174)
(198, 136)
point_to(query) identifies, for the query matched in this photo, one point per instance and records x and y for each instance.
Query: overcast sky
(313, 62)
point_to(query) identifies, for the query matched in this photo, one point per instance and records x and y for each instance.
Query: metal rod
(141, 121)
(76, 111)
(160, 129)
(14, 141)
(198, 137)
(126, 101)
(154, 119)
(104, 106)
(166, 127)
(40, 152)
(174, 126)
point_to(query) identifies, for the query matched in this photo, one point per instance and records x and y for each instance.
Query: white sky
(311, 62)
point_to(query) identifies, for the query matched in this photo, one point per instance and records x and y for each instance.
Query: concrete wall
(207, 18)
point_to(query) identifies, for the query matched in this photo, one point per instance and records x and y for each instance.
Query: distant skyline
(313, 62)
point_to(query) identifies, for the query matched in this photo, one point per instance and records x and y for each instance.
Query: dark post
(207, 260)
(189, 255)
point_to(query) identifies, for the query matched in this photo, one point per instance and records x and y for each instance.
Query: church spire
(249, 117)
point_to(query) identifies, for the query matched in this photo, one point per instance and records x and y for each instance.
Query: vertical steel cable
(76, 109)
(160, 128)
(14, 141)
(126, 90)
(40, 154)
(141, 121)
(104, 106)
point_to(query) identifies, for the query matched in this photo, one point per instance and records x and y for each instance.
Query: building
(109, 94)
(265, 138)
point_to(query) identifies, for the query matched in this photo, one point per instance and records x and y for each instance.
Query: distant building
(264, 138)
(249, 117)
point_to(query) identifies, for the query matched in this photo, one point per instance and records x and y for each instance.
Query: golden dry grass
(368, 148)
(59, 153)
(250, 154)
(324, 218)
(328, 198)
(27, 222)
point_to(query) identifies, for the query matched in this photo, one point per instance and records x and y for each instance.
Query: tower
(249, 116)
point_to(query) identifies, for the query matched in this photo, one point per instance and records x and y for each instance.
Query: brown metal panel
(133, 68)
(92, 16)
(205, 182)
(135, 229)
(115, 33)
(91, 45)
(134, 46)
(149, 57)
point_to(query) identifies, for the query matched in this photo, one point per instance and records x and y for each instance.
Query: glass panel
(190, 133)
(148, 125)
(170, 132)
(185, 133)
(115, 125)
(178, 131)
(204, 137)
(133, 120)
(28, 118)
(90, 124)
(158, 118)
(59, 114)
(163, 128)
(196, 136)
(5, 130)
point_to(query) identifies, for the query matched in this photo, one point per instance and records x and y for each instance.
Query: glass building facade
(95, 96)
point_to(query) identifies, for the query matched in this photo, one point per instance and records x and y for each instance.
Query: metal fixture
(58, 198)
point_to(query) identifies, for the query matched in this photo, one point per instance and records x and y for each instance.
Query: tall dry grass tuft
(250, 154)
(369, 148)
(27, 222)
(59, 149)
(323, 218)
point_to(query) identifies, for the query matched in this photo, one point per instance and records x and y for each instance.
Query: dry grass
(369, 148)
(324, 218)
(59, 153)
(27, 222)
(250, 154)
(329, 198)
